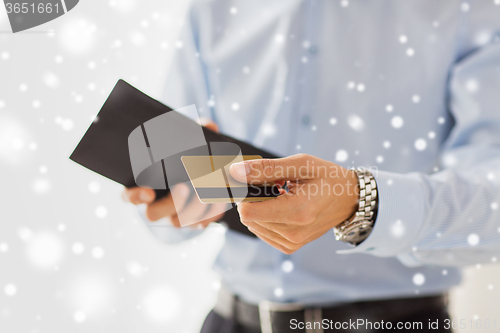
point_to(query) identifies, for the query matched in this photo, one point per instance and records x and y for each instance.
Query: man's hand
(321, 195)
(184, 212)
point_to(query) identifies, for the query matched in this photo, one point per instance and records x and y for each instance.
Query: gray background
(73, 256)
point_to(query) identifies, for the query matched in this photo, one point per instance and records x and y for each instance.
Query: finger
(284, 247)
(208, 123)
(138, 195)
(268, 170)
(165, 207)
(206, 222)
(285, 208)
(196, 212)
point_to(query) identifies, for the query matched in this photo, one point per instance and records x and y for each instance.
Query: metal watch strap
(360, 227)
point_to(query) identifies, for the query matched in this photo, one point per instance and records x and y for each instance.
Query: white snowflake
(278, 292)
(341, 156)
(4, 247)
(269, 130)
(135, 269)
(97, 252)
(397, 229)
(79, 316)
(360, 87)
(78, 248)
(356, 123)
(387, 144)
(380, 159)
(420, 144)
(235, 106)
(494, 206)
(67, 124)
(10, 289)
(410, 52)
(94, 187)
(351, 85)
(279, 38)
(415, 99)
(333, 121)
(51, 80)
(287, 266)
(45, 250)
(246, 70)
(101, 212)
(449, 160)
(161, 304)
(472, 85)
(41, 186)
(419, 279)
(403, 39)
(216, 285)
(465, 7)
(389, 108)
(473, 239)
(397, 122)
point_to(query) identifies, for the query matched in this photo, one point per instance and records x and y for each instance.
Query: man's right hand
(192, 213)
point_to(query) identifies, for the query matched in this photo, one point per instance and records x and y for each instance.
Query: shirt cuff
(401, 212)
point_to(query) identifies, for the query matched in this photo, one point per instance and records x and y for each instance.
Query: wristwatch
(357, 228)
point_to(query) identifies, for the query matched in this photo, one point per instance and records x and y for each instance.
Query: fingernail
(241, 168)
(144, 196)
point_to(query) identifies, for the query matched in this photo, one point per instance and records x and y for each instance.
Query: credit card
(213, 183)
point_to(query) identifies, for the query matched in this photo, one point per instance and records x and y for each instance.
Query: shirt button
(306, 120)
(313, 50)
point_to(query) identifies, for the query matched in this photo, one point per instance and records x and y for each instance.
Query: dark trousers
(217, 324)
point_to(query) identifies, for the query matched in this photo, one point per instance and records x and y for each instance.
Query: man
(407, 89)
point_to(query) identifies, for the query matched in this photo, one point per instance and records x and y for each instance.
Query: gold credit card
(213, 183)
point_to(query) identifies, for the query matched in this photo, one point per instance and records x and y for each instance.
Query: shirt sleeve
(451, 217)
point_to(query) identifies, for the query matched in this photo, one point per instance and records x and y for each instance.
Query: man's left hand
(321, 195)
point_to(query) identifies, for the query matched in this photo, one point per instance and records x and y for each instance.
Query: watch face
(355, 233)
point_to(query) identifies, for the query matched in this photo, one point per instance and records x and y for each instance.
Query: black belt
(270, 317)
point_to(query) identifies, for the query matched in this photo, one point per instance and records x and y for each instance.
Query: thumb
(268, 170)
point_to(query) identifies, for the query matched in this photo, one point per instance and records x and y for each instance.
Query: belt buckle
(265, 309)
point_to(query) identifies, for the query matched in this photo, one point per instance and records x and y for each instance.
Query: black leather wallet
(104, 148)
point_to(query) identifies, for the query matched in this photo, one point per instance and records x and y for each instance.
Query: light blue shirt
(411, 88)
